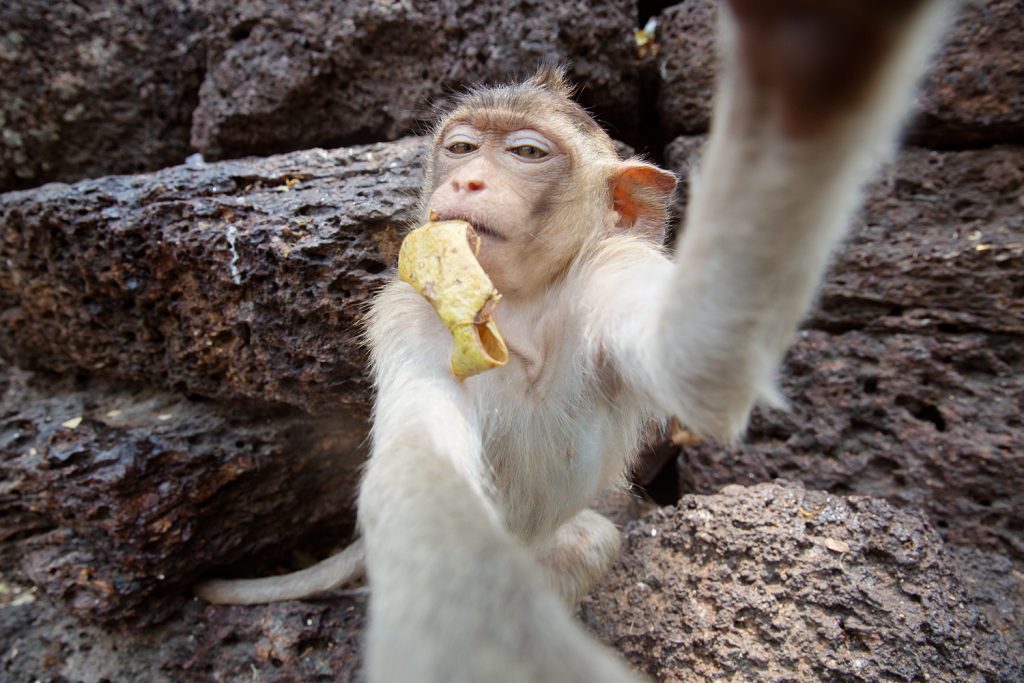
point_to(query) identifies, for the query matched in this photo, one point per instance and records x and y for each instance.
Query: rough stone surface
(239, 280)
(774, 583)
(687, 63)
(973, 95)
(727, 582)
(682, 155)
(203, 321)
(96, 87)
(939, 248)
(312, 642)
(296, 74)
(919, 420)
(908, 381)
(996, 586)
(123, 497)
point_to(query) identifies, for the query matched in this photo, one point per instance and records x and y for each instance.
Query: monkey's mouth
(481, 228)
(484, 231)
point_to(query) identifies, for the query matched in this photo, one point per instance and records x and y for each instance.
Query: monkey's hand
(439, 260)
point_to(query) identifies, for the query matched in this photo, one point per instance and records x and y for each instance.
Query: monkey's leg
(454, 597)
(324, 576)
(579, 555)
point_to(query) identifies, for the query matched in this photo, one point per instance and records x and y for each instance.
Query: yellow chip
(439, 260)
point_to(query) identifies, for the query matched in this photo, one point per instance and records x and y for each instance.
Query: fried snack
(439, 260)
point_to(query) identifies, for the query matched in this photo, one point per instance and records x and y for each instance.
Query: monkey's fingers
(439, 260)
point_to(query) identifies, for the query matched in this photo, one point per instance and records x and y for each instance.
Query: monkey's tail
(323, 576)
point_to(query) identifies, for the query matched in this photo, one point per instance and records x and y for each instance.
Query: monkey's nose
(470, 185)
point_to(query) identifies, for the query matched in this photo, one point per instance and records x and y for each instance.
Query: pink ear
(640, 195)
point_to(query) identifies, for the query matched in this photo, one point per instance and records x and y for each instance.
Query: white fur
(623, 333)
(474, 501)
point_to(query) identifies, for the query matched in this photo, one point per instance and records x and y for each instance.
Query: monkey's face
(509, 183)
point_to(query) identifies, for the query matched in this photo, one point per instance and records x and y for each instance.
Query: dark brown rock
(687, 63)
(312, 642)
(727, 583)
(928, 422)
(774, 583)
(296, 74)
(682, 155)
(125, 497)
(240, 280)
(996, 586)
(96, 87)
(939, 247)
(973, 95)
(908, 382)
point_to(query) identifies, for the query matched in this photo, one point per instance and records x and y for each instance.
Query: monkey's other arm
(430, 525)
(800, 122)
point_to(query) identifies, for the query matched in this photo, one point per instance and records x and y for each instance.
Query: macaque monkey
(473, 509)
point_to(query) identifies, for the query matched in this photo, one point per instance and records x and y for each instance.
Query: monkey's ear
(640, 195)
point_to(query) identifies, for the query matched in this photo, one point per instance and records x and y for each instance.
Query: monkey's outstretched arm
(453, 596)
(808, 104)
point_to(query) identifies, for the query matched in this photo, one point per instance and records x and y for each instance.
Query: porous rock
(122, 497)
(312, 642)
(687, 64)
(775, 583)
(296, 74)
(928, 423)
(937, 248)
(244, 281)
(96, 87)
(973, 95)
(761, 583)
(996, 586)
(908, 379)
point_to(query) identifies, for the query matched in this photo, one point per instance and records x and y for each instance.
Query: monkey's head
(538, 178)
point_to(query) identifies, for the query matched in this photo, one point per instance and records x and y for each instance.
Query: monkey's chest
(551, 452)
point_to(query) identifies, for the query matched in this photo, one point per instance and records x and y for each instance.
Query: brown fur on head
(538, 211)
(547, 94)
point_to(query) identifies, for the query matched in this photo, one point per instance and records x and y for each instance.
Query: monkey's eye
(460, 147)
(529, 145)
(531, 152)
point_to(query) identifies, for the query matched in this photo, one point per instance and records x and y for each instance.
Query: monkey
(476, 534)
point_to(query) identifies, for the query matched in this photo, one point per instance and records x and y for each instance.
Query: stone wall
(181, 385)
